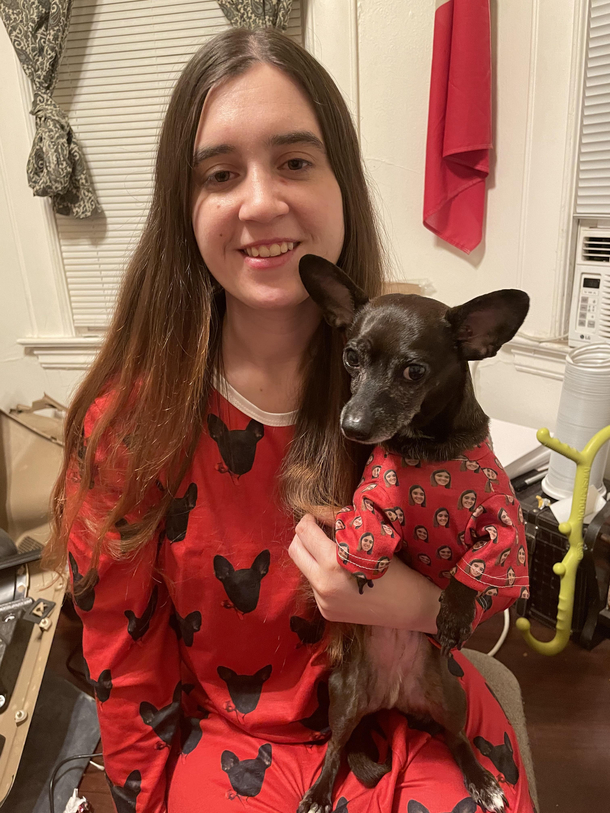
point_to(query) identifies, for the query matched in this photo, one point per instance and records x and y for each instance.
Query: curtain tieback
(49, 165)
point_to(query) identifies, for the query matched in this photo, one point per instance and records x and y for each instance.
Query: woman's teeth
(274, 250)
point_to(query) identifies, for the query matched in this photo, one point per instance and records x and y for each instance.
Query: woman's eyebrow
(280, 140)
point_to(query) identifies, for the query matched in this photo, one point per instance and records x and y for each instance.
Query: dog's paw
(452, 635)
(488, 794)
(313, 802)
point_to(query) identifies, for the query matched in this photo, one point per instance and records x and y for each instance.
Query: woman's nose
(263, 199)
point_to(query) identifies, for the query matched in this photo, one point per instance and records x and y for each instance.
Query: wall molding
(331, 35)
(63, 352)
(545, 359)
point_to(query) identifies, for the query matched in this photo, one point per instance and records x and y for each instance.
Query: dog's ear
(331, 289)
(482, 325)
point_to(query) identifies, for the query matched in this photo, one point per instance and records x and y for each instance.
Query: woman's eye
(350, 357)
(296, 164)
(414, 372)
(220, 177)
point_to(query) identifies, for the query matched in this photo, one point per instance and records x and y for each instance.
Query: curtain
(257, 13)
(56, 167)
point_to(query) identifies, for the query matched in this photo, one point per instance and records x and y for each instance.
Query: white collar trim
(222, 386)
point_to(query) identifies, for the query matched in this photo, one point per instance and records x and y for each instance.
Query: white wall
(380, 56)
(32, 296)
(384, 70)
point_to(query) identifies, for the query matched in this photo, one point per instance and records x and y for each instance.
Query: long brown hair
(163, 345)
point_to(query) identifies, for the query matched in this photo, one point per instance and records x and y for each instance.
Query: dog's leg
(450, 712)
(345, 712)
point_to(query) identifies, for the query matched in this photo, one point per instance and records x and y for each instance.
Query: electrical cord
(58, 766)
(502, 637)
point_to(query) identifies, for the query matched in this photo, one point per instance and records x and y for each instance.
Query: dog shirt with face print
(459, 517)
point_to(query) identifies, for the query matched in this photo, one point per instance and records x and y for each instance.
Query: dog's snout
(356, 426)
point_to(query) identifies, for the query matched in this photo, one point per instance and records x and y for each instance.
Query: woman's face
(442, 518)
(383, 564)
(421, 533)
(468, 501)
(442, 478)
(366, 543)
(444, 552)
(521, 556)
(390, 477)
(262, 181)
(418, 496)
(476, 569)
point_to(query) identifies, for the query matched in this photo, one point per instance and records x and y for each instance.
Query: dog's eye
(414, 372)
(350, 358)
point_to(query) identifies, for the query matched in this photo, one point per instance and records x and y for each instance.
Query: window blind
(593, 190)
(121, 61)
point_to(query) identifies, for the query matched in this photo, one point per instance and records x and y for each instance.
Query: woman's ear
(482, 325)
(331, 289)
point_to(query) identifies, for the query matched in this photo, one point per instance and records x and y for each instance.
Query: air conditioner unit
(590, 309)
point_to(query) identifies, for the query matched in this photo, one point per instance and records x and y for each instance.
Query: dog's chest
(396, 659)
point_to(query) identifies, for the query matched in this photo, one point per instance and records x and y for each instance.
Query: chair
(506, 688)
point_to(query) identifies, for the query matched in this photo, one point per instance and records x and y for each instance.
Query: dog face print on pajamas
(243, 585)
(247, 775)
(125, 796)
(237, 447)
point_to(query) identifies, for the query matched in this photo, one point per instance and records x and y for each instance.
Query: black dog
(430, 414)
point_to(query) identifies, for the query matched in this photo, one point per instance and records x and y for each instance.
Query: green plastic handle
(566, 569)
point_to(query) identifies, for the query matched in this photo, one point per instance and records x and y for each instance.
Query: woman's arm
(131, 653)
(402, 599)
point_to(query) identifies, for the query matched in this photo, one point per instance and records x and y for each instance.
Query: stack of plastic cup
(584, 409)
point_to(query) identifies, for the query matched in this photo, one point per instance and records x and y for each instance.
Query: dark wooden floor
(567, 705)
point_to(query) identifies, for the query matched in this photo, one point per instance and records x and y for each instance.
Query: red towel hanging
(459, 123)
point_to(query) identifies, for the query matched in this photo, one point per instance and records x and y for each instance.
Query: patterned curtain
(257, 13)
(56, 167)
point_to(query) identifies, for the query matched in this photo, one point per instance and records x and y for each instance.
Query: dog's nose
(356, 427)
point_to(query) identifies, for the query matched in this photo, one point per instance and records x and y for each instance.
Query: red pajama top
(208, 668)
(457, 518)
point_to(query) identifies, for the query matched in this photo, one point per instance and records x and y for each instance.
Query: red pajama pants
(230, 770)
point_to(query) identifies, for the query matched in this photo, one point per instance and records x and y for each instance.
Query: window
(121, 60)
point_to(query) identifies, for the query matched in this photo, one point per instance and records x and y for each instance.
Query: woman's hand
(401, 598)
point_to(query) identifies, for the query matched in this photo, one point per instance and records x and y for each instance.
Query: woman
(207, 423)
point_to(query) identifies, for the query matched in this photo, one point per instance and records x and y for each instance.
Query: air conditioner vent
(596, 249)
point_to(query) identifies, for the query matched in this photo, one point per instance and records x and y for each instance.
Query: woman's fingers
(315, 541)
(325, 514)
(303, 559)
